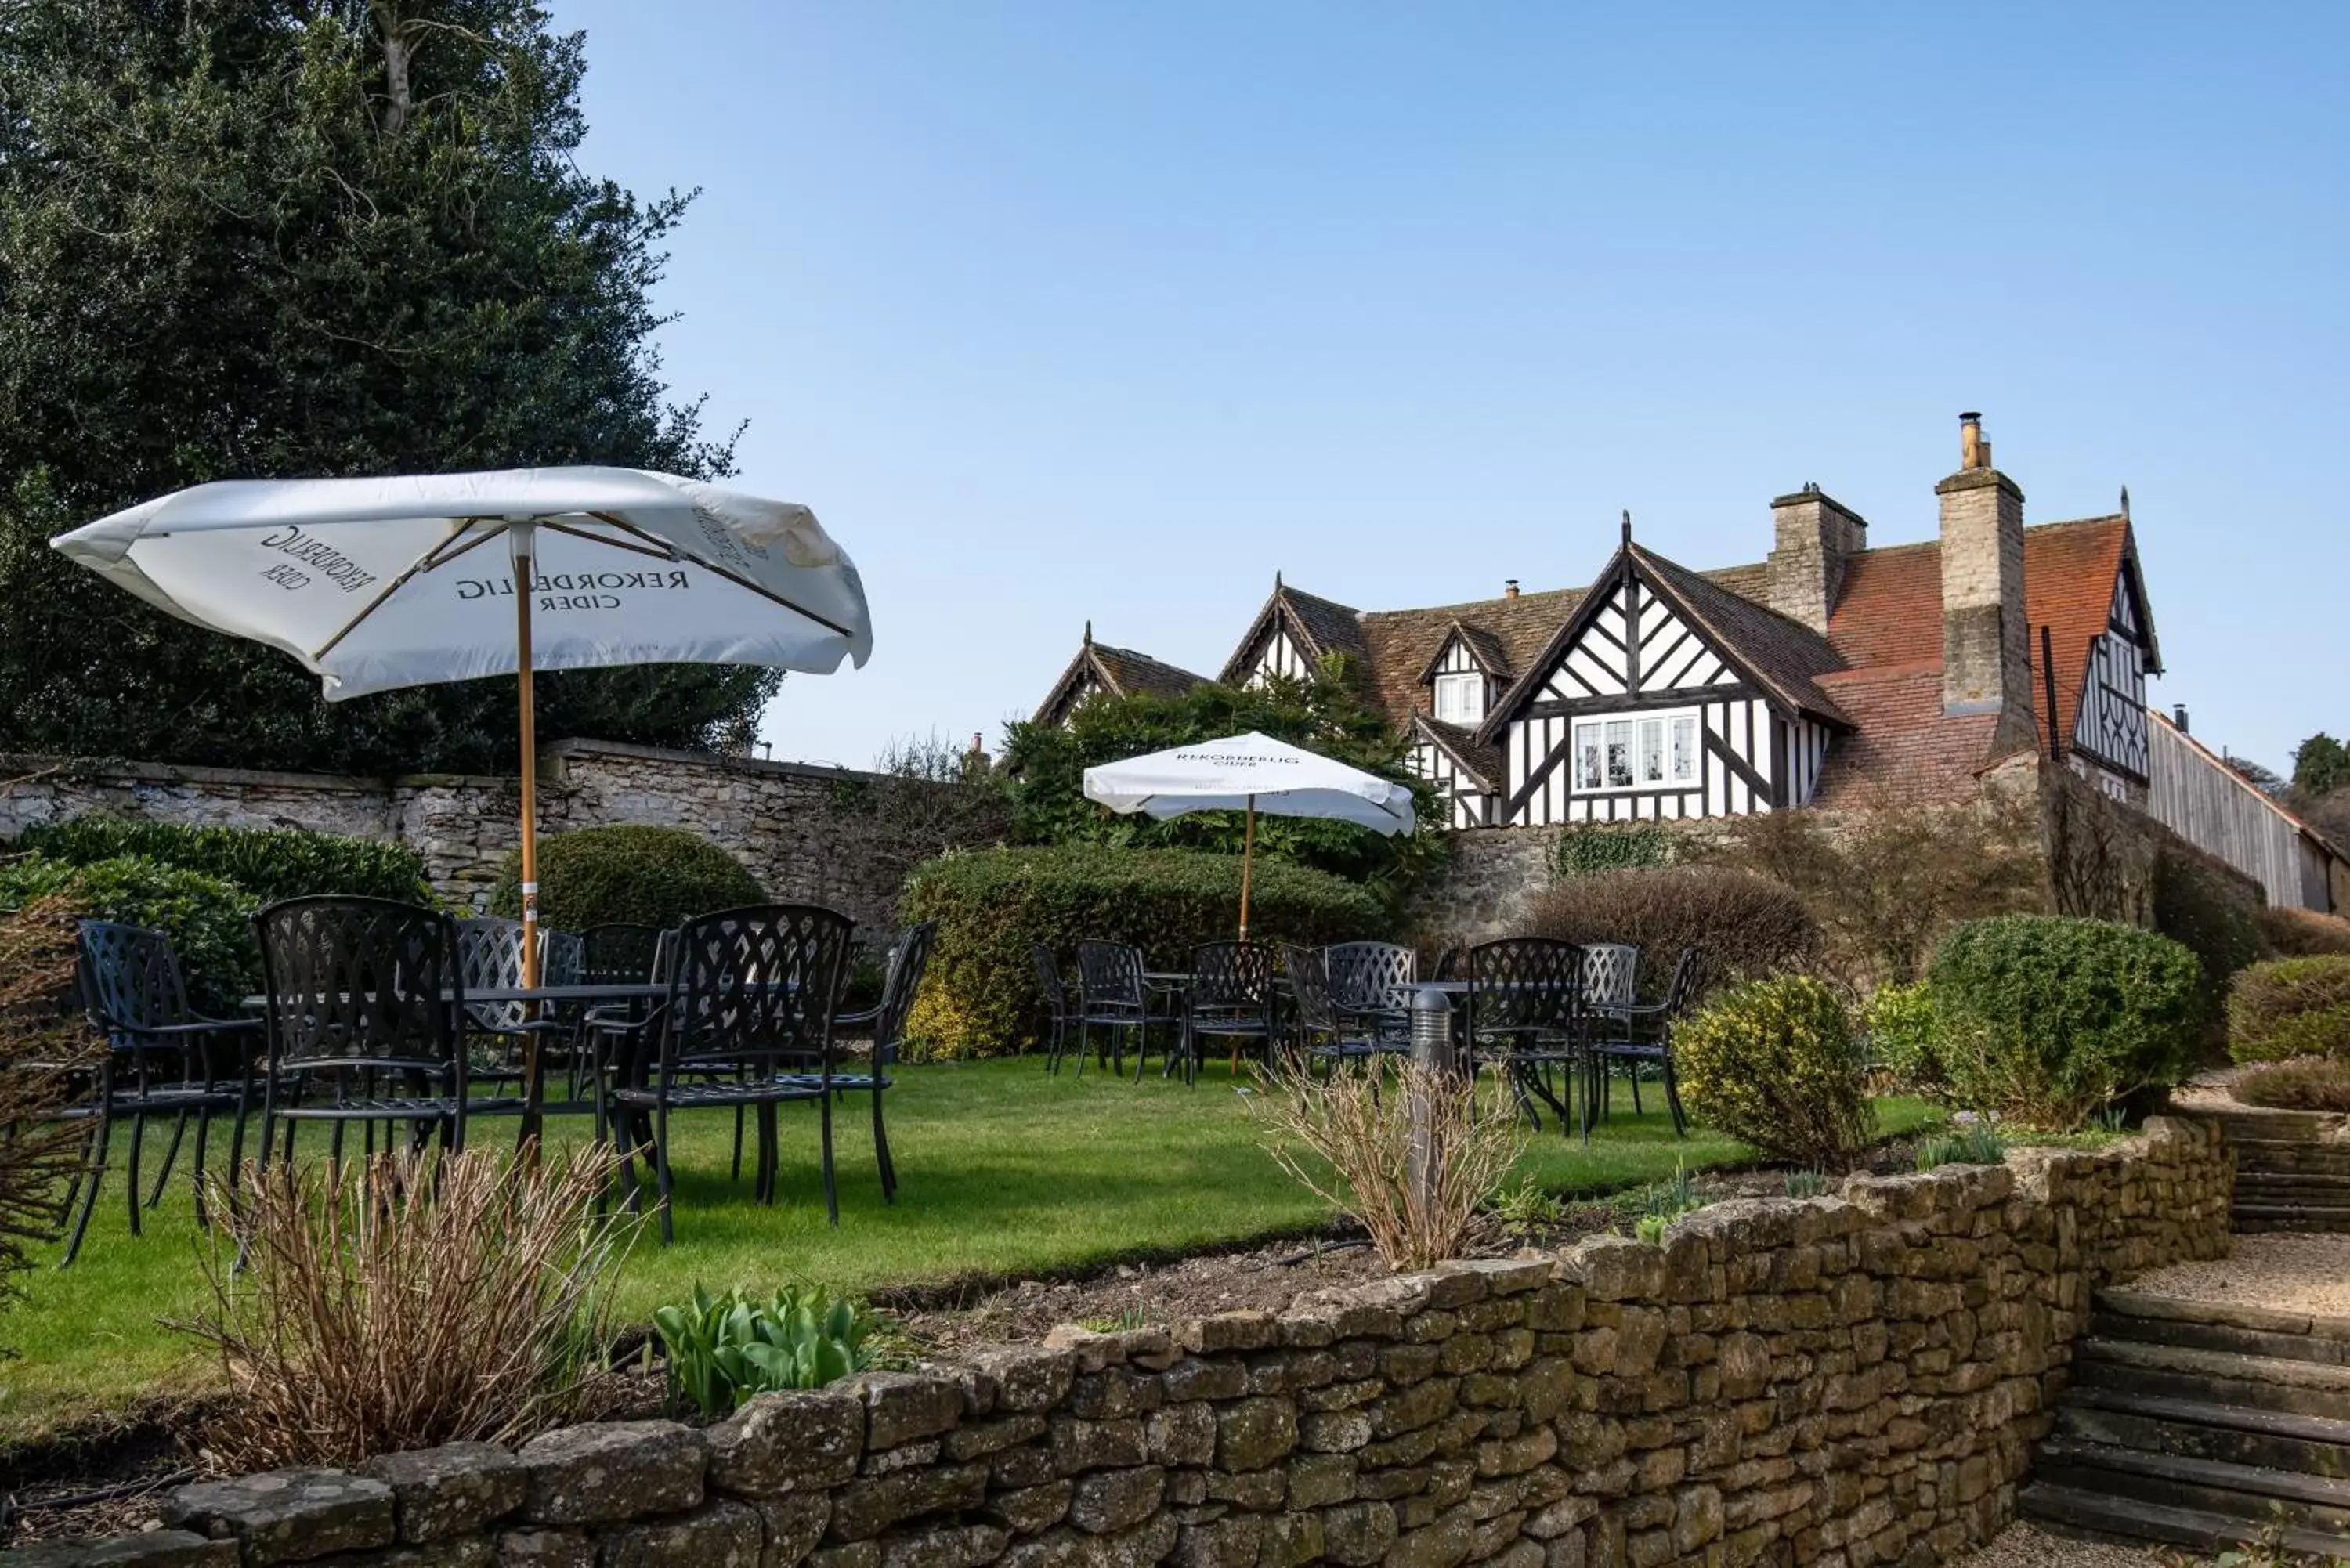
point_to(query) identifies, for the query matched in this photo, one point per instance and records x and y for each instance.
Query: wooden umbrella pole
(524, 576)
(1248, 853)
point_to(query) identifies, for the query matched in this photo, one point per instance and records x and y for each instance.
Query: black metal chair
(162, 1058)
(1327, 1031)
(1059, 1010)
(1524, 996)
(1370, 983)
(1113, 995)
(885, 1026)
(1231, 998)
(358, 995)
(750, 1014)
(1640, 1035)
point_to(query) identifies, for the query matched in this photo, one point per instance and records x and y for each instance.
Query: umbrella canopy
(373, 584)
(1250, 774)
(410, 579)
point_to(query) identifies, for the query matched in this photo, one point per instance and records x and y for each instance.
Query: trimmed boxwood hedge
(270, 863)
(2291, 1007)
(993, 905)
(628, 872)
(2047, 1019)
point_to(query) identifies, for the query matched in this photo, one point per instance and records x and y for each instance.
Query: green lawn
(1002, 1168)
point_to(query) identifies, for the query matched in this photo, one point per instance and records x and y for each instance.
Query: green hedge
(1774, 1063)
(270, 863)
(209, 919)
(646, 876)
(993, 905)
(2291, 1007)
(2214, 914)
(2047, 1019)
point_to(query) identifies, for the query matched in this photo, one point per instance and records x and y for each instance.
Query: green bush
(1899, 1022)
(2304, 933)
(1749, 926)
(2291, 1007)
(645, 875)
(993, 905)
(1773, 1064)
(2310, 1084)
(1586, 847)
(209, 919)
(270, 863)
(2046, 1019)
(2214, 914)
(723, 1349)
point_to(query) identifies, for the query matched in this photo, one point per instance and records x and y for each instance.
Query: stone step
(2228, 1442)
(2288, 1217)
(2251, 1492)
(2141, 1521)
(2319, 1159)
(2215, 1377)
(2124, 1314)
(2293, 1187)
(2320, 1430)
(2255, 1124)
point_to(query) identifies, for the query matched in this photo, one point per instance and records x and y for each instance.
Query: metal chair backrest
(1448, 964)
(1237, 975)
(491, 952)
(1522, 985)
(1371, 977)
(130, 982)
(620, 953)
(1611, 974)
(908, 960)
(1689, 982)
(1310, 985)
(361, 982)
(562, 959)
(1109, 977)
(1049, 981)
(757, 984)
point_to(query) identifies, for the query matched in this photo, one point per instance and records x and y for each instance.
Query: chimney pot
(2179, 716)
(1510, 589)
(1973, 452)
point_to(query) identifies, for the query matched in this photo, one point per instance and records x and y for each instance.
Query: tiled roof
(1403, 643)
(2068, 586)
(1324, 626)
(1903, 746)
(1121, 670)
(1486, 767)
(1787, 656)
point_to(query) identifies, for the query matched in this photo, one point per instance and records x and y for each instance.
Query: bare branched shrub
(1885, 882)
(409, 1301)
(1749, 926)
(43, 1038)
(1361, 1132)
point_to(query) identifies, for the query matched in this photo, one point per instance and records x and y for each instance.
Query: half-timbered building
(1118, 672)
(1832, 672)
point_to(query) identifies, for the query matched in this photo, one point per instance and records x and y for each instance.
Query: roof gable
(1121, 671)
(1319, 626)
(1484, 650)
(1484, 766)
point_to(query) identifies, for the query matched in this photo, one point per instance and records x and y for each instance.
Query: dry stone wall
(818, 834)
(1844, 1381)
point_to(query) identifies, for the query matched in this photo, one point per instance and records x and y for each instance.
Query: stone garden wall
(1843, 1381)
(817, 834)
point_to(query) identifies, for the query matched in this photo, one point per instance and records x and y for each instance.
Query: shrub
(1362, 1137)
(723, 1349)
(2290, 1007)
(207, 919)
(2045, 1019)
(1773, 1064)
(1973, 1145)
(1748, 924)
(366, 1317)
(993, 905)
(2304, 933)
(1587, 848)
(41, 1036)
(1899, 1022)
(645, 875)
(1662, 1202)
(270, 863)
(2310, 1083)
(2213, 913)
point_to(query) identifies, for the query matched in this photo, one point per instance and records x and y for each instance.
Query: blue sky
(1056, 311)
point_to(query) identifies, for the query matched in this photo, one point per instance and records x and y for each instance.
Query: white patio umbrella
(374, 584)
(1250, 774)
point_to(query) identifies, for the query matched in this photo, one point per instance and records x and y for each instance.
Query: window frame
(1463, 679)
(1662, 716)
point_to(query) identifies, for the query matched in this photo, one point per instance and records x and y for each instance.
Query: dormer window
(1461, 697)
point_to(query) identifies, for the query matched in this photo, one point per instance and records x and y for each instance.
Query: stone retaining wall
(809, 834)
(1844, 1381)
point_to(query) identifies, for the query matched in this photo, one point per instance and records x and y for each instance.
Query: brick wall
(1842, 1381)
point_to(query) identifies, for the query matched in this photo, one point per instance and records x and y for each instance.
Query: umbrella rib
(735, 577)
(607, 541)
(431, 558)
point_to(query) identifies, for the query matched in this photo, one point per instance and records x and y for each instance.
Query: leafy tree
(271, 238)
(1323, 713)
(2321, 764)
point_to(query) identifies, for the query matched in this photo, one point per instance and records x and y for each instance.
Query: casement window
(1639, 751)
(1461, 699)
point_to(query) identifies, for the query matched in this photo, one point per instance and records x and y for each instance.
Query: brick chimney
(1986, 642)
(1814, 536)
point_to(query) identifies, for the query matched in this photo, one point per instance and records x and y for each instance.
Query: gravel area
(2022, 1545)
(2284, 1269)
